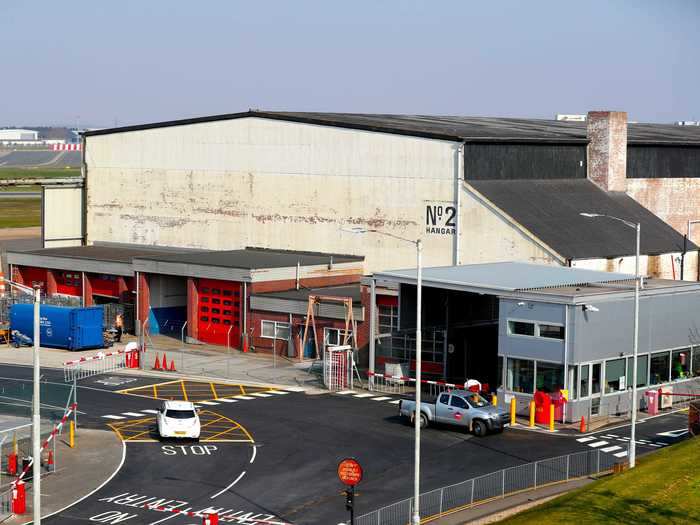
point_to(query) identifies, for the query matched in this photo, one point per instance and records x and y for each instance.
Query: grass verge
(38, 173)
(20, 213)
(663, 489)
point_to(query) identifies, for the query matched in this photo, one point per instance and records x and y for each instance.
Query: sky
(120, 62)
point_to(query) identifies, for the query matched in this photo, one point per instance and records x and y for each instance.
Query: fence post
(471, 501)
(503, 483)
(567, 466)
(442, 493)
(598, 462)
(535, 487)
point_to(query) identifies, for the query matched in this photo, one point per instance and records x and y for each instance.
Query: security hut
(518, 326)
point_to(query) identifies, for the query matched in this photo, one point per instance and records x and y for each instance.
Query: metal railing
(530, 476)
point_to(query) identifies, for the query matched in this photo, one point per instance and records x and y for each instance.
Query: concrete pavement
(79, 471)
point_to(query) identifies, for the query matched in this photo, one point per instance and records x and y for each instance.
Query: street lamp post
(415, 519)
(36, 404)
(635, 346)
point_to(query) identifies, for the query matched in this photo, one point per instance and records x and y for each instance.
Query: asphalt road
(288, 474)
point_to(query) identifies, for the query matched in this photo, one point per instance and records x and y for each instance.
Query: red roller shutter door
(218, 311)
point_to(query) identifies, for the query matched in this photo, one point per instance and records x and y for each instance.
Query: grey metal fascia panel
(287, 306)
(191, 270)
(72, 264)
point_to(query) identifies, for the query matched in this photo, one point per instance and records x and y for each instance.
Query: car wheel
(479, 428)
(423, 421)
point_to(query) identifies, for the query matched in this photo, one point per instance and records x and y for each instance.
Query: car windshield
(180, 414)
(476, 401)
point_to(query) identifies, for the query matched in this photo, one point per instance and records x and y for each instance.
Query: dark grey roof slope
(101, 253)
(457, 128)
(253, 258)
(550, 210)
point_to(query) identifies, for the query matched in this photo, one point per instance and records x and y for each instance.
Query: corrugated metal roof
(448, 127)
(352, 291)
(100, 252)
(506, 276)
(550, 210)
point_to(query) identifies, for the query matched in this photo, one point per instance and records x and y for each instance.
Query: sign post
(350, 474)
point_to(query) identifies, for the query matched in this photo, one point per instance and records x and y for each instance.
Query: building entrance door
(219, 312)
(590, 384)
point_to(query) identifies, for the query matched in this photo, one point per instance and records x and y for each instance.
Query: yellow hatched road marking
(213, 390)
(184, 391)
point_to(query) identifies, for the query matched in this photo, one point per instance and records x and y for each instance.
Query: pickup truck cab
(459, 408)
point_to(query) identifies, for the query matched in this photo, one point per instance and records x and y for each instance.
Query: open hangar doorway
(470, 323)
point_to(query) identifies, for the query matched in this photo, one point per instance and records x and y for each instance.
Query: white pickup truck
(457, 407)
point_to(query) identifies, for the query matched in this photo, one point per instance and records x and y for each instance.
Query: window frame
(536, 329)
(275, 329)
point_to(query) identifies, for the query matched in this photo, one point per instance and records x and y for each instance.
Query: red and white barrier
(213, 518)
(101, 363)
(45, 444)
(413, 379)
(66, 147)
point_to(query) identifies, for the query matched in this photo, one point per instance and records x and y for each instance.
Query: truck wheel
(479, 428)
(423, 420)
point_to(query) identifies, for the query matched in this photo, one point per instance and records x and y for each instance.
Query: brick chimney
(607, 149)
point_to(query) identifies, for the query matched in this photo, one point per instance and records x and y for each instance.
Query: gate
(337, 368)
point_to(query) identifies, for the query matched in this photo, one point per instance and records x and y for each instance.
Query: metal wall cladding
(524, 161)
(61, 327)
(659, 162)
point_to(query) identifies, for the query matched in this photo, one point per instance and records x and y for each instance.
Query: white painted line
(231, 485)
(674, 433)
(395, 402)
(244, 397)
(382, 398)
(611, 449)
(363, 395)
(278, 392)
(620, 454)
(150, 411)
(294, 389)
(260, 394)
(653, 445)
(197, 406)
(164, 519)
(598, 444)
(624, 439)
(255, 453)
(210, 403)
(227, 400)
(114, 417)
(133, 414)
(345, 392)
(586, 439)
(609, 436)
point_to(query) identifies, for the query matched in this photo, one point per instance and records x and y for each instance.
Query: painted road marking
(244, 397)
(674, 433)
(395, 402)
(278, 392)
(231, 485)
(382, 398)
(363, 395)
(584, 440)
(294, 389)
(260, 394)
(150, 411)
(227, 400)
(132, 414)
(208, 403)
(609, 436)
(620, 454)
(610, 449)
(114, 417)
(345, 392)
(255, 453)
(598, 444)
(190, 390)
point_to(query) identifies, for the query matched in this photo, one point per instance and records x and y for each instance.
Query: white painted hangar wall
(261, 182)
(62, 216)
(277, 184)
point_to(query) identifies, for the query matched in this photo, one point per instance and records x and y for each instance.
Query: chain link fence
(495, 485)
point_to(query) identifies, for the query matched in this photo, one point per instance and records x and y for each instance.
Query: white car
(178, 419)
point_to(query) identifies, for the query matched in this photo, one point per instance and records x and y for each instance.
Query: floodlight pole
(36, 413)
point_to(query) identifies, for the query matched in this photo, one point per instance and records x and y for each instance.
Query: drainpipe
(566, 359)
(83, 174)
(245, 312)
(372, 330)
(298, 272)
(459, 175)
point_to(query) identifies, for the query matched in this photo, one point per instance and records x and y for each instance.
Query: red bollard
(210, 519)
(19, 498)
(12, 464)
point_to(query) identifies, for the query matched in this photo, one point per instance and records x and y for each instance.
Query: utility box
(60, 326)
(652, 402)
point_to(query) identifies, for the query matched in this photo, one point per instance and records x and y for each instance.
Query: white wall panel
(62, 216)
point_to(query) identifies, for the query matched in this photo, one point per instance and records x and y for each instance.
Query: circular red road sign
(349, 472)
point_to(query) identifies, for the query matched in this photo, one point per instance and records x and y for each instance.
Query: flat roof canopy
(519, 279)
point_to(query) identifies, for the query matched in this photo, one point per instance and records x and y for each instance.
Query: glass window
(205, 290)
(227, 321)
(204, 299)
(205, 308)
(388, 319)
(696, 361)
(283, 331)
(642, 367)
(615, 375)
(215, 320)
(476, 400)
(585, 382)
(573, 382)
(227, 303)
(595, 378)
(227, 312)
(215, 311)
(550, 377)
(521, 375)
(216, 291)
(521, 328)
(659, 368)
(227, 293)
(444, 398)
(458, 402)
(551, 331)
(204, 318)
(268, 329)
(216, 301)
(680, 364)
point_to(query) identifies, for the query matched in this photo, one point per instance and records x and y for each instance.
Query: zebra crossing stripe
(150, 411)
(382, 398)
(598, 444)
(260, 394)
(586, 439)
(345, 392)
(132, 414)
(395, 402)
(277, 392)
(210, 403)
(114, 417)
(227, 400)
(363, 395)
(610, 449)
(620, 454)
(244, 397)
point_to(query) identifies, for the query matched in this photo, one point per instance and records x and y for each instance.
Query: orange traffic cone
(50, 460)
(172, 366)
(245, 344)
(582, 427)
(156, 365)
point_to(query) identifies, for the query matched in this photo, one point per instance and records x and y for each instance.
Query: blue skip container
(61, 326)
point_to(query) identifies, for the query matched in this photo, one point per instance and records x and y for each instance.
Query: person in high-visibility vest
(119, 326)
